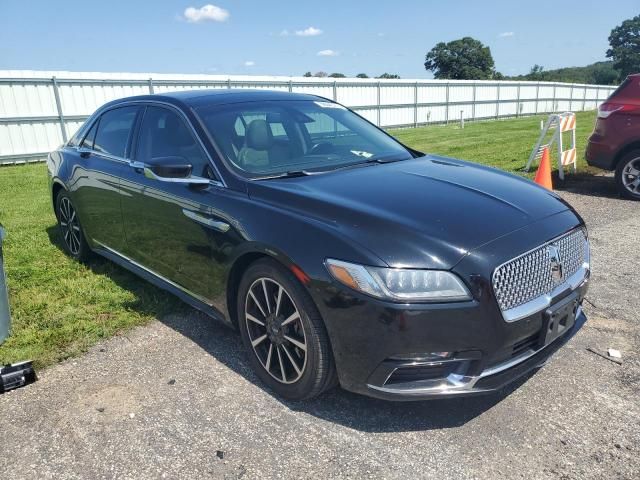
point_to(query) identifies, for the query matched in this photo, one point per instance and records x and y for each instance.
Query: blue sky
(290, 37)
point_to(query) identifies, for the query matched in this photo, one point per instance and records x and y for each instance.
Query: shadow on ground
(338, 406)
(587, 184)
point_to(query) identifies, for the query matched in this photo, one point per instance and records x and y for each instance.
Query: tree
(604, 74)
(386, 75)
(320, 74)
(362, 75)
(625, 47)
(536, 73)
(338, 75)
(308, 74)
(463, 59)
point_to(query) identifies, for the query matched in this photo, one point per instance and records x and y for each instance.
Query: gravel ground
(177, 399)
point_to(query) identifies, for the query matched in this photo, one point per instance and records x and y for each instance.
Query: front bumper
(422, 351)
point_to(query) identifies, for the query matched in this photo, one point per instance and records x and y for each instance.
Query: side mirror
(170, 167)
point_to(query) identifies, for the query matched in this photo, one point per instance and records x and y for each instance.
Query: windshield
(272, 138)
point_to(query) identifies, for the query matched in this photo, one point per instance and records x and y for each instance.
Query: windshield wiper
(289, 174)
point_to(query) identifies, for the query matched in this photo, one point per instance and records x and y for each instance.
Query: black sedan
(341, 255)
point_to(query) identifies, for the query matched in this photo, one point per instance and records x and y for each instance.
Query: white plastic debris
(613, 353)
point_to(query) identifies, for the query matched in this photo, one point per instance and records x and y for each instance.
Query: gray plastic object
(5, 316)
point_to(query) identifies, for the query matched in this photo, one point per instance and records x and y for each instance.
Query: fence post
(473, 103)
(290, 86)
(228, 83)
(555, 106)
(584, 99)
(150, 86)
(446, 111)
(378, 101)
(335, 91)
(537, 96)
(498, 103)
(518, 102)
(56, 94)
(571, 97)
(415, 105)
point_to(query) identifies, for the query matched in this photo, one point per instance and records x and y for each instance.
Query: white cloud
(249, 63)
(206, 13)
(506, 34)
(309, 32)
(327, 53)
(284, 33)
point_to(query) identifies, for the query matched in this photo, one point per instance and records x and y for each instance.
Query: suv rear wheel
(628, 175)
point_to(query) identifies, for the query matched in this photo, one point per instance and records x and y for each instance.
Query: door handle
(209, 222)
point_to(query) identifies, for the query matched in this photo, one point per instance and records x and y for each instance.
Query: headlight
(400, 283)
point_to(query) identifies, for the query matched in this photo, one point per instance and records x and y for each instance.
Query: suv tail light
(606, 109)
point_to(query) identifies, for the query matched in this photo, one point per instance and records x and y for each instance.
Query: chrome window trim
(540, 303)
(102, 110)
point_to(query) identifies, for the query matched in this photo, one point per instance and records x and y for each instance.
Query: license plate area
(559, 318)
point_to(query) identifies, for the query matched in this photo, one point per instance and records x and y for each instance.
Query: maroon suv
(615, 141)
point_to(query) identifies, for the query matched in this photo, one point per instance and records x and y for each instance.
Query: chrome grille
(529, 276)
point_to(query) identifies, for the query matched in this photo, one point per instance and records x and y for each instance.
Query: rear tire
(285, 338)
(73, 239)
(628, 175)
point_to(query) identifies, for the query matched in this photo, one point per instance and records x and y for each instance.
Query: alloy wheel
(631, 176)
(276, 331)
(69, 225)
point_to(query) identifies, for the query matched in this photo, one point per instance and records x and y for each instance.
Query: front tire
(73, 239)
(628, 175)
(285, 338)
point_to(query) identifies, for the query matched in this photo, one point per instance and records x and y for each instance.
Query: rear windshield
(618, 92)
(274, 137)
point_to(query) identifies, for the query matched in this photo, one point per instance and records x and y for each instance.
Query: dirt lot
(177, 399)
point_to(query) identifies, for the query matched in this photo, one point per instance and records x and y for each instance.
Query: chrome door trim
(157, 275)
(209, 222)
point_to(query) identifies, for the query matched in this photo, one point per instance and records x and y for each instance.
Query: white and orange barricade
(557, 124)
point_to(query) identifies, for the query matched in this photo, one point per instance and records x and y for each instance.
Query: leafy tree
(604, 74)
(338, 75)
(463, 59)
(625, 46)
(308, 74)
(536, 73)
(389, 76)
(320, 74)
(362, 75)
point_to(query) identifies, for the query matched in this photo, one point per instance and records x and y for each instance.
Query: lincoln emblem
(555, 263)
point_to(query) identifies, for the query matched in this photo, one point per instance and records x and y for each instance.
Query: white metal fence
(40, 110)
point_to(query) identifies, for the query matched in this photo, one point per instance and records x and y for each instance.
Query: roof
(219, 96)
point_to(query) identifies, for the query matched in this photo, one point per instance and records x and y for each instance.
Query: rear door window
(114, 131)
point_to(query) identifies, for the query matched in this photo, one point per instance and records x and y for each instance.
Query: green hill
(599, 73)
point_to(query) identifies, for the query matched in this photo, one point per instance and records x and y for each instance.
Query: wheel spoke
(266, 295)
(255, 320)
(259, 340)
(297, 343)
(295, 365)
(278, 300)
(268, 364)
(257, 303)
(294, 316)
(284, 377)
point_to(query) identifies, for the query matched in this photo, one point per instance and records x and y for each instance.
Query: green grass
(504, 144)
(60, 307)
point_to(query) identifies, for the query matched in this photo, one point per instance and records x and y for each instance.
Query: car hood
(427, 212)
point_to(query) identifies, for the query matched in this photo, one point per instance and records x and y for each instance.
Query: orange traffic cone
(543, 175)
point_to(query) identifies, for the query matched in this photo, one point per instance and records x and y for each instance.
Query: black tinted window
(90, 137)
(114, 130)
(164, 134)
